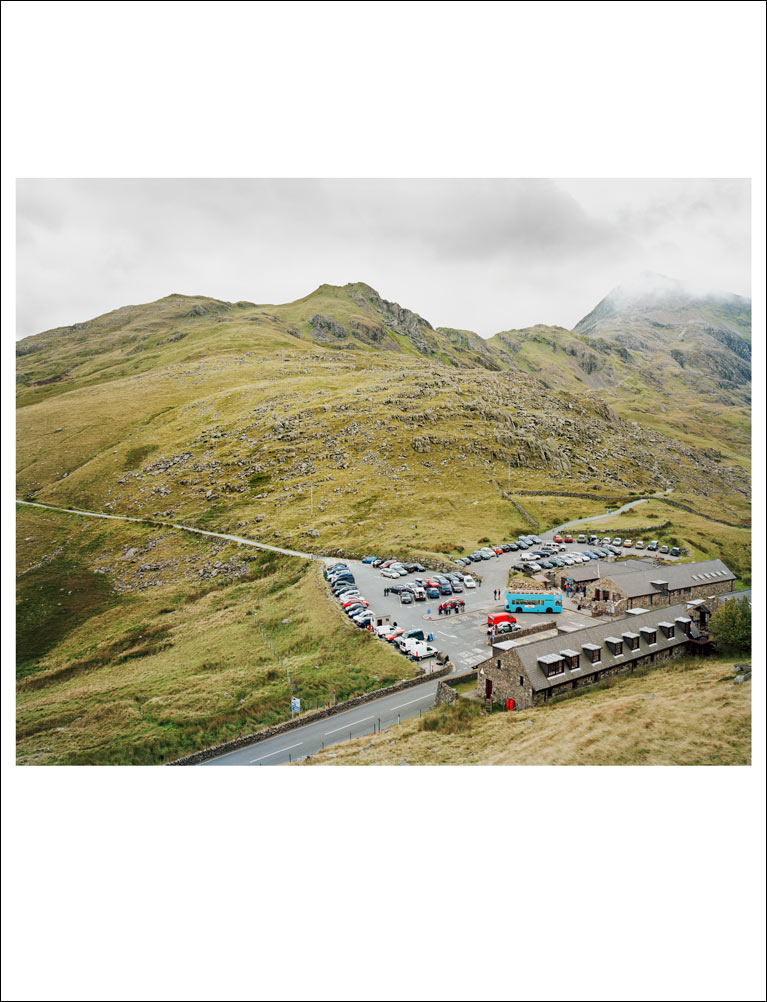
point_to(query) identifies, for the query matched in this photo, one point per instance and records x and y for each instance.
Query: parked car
(432, 592)
(522, 545)
(469, 582)
(393, 633)
(406, 598)
(617, 541)
(368, 560)
(420, 651)
(419, 594)
(546, 564)
(501, 617)
(532, 567)
(639, 545)
(606, 541)
(675, 551)
(652, 545)
(581, 538)
(506, 628)
(568, 538)
(389, 572)
(663, 549)
(627, 544)
(558, 538)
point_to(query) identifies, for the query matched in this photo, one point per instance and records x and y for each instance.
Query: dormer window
(685, 623)
(593, 653)
(615, 645)
(551, 664)
(631, 641)
(572, 659)
(650, 635)
(667, 629)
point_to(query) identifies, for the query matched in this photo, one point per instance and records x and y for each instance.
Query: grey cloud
(483, 254)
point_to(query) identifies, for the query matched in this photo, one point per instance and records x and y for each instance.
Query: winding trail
(596, 518)
(175, 525)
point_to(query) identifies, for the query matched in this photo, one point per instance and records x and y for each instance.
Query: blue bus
(549, 602)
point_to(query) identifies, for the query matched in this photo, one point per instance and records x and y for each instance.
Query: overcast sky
(486, 255)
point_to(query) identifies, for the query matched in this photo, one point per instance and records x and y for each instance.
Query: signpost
(295, 706)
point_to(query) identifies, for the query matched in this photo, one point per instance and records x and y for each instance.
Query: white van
(419, 650)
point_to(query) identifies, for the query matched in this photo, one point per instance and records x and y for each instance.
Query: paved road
(311, 737)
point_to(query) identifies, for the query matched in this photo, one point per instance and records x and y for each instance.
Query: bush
(730, 626)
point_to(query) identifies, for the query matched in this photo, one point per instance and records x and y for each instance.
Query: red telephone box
(509, 704)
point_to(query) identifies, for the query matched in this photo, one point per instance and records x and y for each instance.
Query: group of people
(447, 607)
(497, 594)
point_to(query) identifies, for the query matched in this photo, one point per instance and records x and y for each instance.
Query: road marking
(451, 635)
(275, 752)
(410, 702)
(348, 727)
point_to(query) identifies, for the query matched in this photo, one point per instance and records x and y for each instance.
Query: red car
(394, 634)
(498, 550)
(558, 539)
(356, 601)
(569, 538)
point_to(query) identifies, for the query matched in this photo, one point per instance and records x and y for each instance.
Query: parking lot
(463, 636)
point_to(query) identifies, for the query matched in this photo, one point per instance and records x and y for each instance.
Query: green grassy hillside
(341, 423)
(139, 645)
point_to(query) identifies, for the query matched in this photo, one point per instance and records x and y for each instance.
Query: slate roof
(596, 569)
(634, 583)
(551, 648)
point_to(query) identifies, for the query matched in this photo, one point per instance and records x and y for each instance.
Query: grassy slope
(684, 714)
(353, 426)
(143, 676)
(261, 412)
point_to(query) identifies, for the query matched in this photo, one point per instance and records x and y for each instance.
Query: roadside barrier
(289, 725)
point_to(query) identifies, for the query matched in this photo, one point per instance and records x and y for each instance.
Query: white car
(569, 559)
(385, 628)
(389, 572)
(469, 582)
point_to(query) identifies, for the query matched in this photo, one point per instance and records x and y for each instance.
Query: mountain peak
(648, 291)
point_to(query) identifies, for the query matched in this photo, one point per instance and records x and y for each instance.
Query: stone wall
(445, 694)
(526, 631)
(510, 679)
(655, 599)
(269, 732)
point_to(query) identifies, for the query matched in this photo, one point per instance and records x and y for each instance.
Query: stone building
(532, 673)
(643, 584)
